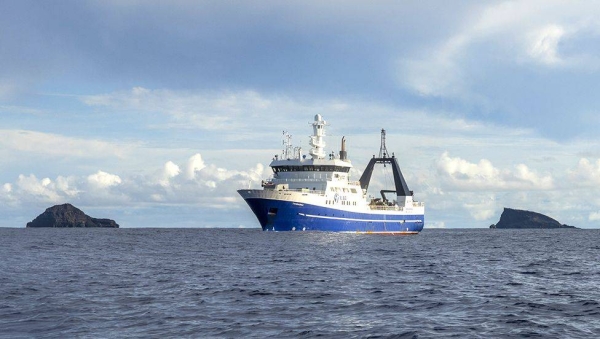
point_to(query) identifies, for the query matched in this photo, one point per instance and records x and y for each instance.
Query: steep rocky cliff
(68, 215)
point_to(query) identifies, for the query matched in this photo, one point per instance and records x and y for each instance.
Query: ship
(315, 192)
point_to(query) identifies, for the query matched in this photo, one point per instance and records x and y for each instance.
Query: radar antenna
(383, 152)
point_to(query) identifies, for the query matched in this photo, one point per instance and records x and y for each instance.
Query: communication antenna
(287, 151)
(383, 152)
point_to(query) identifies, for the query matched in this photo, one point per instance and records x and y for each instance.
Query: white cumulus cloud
(31, 188)
(203, 184)
(170, 171)
(102, 179)
(586, 174)
(464, 175)
(194, 164)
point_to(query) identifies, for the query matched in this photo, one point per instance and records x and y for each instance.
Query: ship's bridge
(296, 170)
(311, 173)
(310, 165)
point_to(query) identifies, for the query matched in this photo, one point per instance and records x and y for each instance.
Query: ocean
(234, 283)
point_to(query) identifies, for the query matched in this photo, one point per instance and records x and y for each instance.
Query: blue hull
(277, 215)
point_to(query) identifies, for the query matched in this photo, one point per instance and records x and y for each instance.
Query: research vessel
(315, 193)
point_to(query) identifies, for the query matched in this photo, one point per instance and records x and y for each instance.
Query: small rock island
(67, 215)
(512, 218)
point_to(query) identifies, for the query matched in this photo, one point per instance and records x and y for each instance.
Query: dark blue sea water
(110, 283)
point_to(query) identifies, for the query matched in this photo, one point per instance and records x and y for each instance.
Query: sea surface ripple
(140, 283)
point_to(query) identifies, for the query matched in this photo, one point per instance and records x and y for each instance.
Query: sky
(153, 113)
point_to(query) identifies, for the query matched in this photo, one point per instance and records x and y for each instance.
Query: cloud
(30, 188)
(594, 216)
(49, 144)
(435, 224)
(482, 189)
(484, 209)
(463, 175)
(227, 116)
(103, 180)
(586, 174)
(436, 73)
(545, 44)
(195, 163)
(209, 187)
(509, 32)
(170, 170)
(206, 111)
(205, 185)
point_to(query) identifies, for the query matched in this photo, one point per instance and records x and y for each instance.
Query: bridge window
(311, 168)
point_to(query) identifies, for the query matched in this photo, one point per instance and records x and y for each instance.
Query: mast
(382, 149)
(316, 140)
(287, 152)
